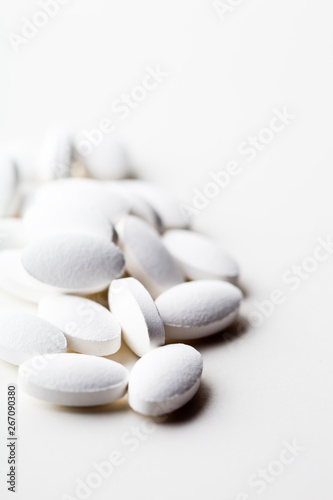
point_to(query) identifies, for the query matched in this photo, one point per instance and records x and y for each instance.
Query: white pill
(106, 160)
(56, 156)
(200, 257)
(15, 280)
(147, 259)
(8, 185)
(87, 194)
(167, 207)
(77, 262)
(88, 327)
(198, 308)
(66, 218)
(141, 324)
(23, 336)
(165, 379)
(73, 379)
(12, 233)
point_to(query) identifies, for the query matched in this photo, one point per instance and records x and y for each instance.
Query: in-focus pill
(76, 262)
(88, 327)
(141, 324)
(73, 379)
(198, 308)
(165, 379)
(23, 335)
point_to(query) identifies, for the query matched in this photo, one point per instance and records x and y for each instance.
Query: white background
(273, 383)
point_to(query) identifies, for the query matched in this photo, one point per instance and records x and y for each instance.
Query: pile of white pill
(73, 226)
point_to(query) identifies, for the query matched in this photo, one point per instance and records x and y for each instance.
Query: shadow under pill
(119, 406)
(100, 297)
(243, 289)
(193, 409)
(233, 333)
(124, 356)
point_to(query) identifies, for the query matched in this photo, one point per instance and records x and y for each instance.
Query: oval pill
(165, 379)
(200, 257)
(88, 327)
(147, 259)
(23, 335)
(141, 324)
(198, 308)
(77, 262)
(73, 379)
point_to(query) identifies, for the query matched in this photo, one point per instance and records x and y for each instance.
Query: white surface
(8, 183)
(12, 234)
(273, 384)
